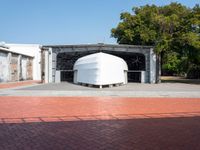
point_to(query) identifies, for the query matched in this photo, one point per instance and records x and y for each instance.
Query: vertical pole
(158, 68)
(19, 67)
(9, 67)
(147, 68)
(142, 76)
(50, 65)
(152, 66)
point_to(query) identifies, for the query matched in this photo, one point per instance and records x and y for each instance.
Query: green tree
(173, 29)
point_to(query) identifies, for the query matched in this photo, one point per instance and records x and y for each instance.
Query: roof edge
(96, 45)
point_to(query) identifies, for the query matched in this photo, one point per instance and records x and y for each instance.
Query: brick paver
(96, 107)
(17, 84)
(45, 123)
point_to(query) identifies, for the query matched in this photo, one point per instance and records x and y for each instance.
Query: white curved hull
(100, 69)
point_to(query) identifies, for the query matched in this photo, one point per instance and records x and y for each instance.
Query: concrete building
(58, 61)
(19, 62)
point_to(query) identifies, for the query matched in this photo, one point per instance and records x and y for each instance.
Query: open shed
(100, 69)
(58, 61)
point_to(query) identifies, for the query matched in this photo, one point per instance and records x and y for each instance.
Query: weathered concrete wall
(29, 69)
(42, 65)
(4, 67)
(15, 67)
(31, 50)
(24, 68)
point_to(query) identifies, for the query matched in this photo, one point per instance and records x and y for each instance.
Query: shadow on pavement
(182, 133)
(173, 79)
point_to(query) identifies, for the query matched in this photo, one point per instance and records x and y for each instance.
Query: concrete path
(18, 84)
(129, 90)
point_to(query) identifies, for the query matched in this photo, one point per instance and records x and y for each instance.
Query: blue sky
(65, 21)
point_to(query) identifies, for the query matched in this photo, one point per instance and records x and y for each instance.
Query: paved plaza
(99, 123)
(38, 117)
(184, 90)
(126, 134)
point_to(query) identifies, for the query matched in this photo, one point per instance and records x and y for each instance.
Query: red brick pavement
(36, 109)
(62, 123)
(16, 84)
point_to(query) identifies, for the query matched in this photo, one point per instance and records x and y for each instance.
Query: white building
(54, 63)
(32, 50)
(20, 62)
(4, 64)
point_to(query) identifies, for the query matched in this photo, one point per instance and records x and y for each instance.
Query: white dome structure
(100, 69)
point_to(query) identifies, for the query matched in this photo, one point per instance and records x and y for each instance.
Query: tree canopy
(173, 29)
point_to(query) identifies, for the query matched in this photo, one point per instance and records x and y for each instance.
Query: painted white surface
(46, 80)
(4, 67)
(50, 65)
(143, 76)
(152, 66)
(24, 68)
(100, 69)
(32, 50)
(57, 77)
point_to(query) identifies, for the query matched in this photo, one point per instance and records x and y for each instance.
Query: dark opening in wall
(134, 77)
(135, 62)
(67, 76)
(65, 61)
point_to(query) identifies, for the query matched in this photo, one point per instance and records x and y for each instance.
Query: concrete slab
(129, 90)
(66, 86)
